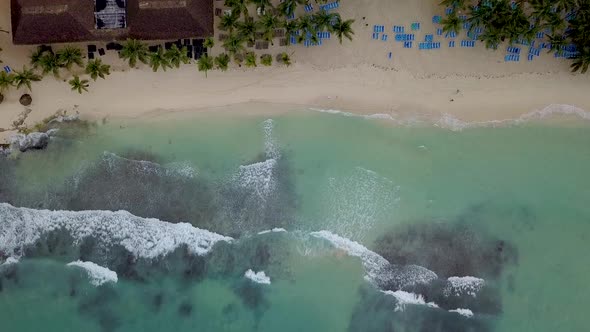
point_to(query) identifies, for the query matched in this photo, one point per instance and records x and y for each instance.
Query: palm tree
(268, 24)
(262, 4)
(69, 56)
(455, 4)
(78, 85)
(229, 21)
(288, 7)
(234, 44)
(205, 63)
(158, 60)
(134, 50)
(290, 28)
(266, 59)
(209, 43)
(491, 38)
(238, 6)
(36, 57)
(175, 56)
(250, 59)
(582, 61)
(306, 26)
(323, 20)
(222, 61)
(6, 82)
(247, 29)
(95, 68)
(557, 42)
(343, 29)
(451, 23)
(49, 63)
(284, 58)
(25, 78)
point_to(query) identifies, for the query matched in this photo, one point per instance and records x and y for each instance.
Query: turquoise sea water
(367, 207)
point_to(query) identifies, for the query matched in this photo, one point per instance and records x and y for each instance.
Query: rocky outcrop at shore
(32, 141)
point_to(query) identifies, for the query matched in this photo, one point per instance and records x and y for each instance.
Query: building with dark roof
(64, 21)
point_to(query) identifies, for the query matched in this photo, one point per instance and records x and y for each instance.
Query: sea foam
(98, 274)
(378, 269)
(405, 298)
(147, 238)
(274, 230)
(463, 312)
(258, 277)
(451, 122)
(458, 286)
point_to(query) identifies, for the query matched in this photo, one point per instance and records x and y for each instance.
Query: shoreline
(462, 86)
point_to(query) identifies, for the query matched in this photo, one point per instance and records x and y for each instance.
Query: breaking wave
(258, 277)
(143, 237)
(97, 274)
(459, 286)
(405, 298)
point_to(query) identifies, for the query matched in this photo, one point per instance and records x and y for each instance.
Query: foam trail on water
(451, 122)
(270, 146)
(98, 274)
(463, 312)
(458, 286)
(378, 269)
(357, 201)
(258, 277)
(405, 298)
(147, 238)
(148, 167)
(274, 230)
(257, 177)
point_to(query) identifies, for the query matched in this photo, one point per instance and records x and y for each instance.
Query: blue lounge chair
(436, 19)
(531, 57)
(293, 40)
(7, 69)
(291, 17)
(384, 37)
(439, 32)
(451, 34)
(448, 11)
(428, 38)
(398, 29)
(415, 26)
(308, 8)
(540, 35)
(451, 43)
(375, 35)
(463, 17)
(389, 55)
(512, 49)
(407, 44)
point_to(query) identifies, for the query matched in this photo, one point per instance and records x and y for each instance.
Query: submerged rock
(32, 141)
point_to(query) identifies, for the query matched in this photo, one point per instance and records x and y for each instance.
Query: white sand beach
(471, 84)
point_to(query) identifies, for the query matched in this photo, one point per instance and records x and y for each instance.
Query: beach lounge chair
(384, 37)
(415, 26)
(451, 43)
(7, 69)
(375, 35)
(407, 44)
(291, 17)
(531, 57)
(292, 40)
(308, 8)
(439, 31)
(451, 34)
(428, 38)
(389, 55)
(448, 11)
(436, 19)
(466, 25)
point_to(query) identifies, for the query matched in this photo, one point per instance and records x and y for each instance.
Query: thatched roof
(62, 21)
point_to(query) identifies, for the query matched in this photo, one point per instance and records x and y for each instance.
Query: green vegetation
(25, 77)
(158, 60)
(250, 59)
(222, 61)
(78, 85)
(566, 24)
(266, 59)
(284, 58)
(134, 50)
(49, 63)
(176, 56)
(209, 43)
(205, 63)
(95, 68)
(69, 56)
(6, 82)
